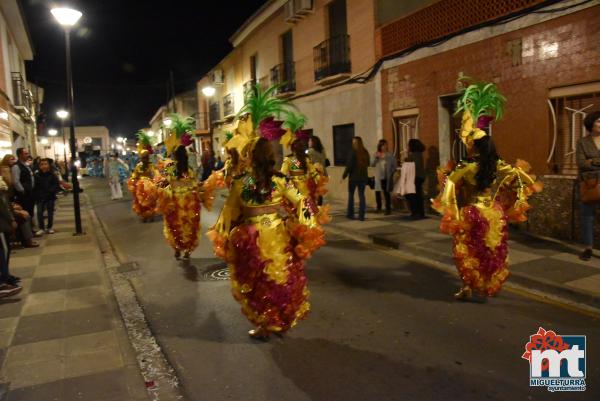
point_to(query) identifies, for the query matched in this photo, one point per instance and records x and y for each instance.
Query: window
(568, 108)
(342, 143)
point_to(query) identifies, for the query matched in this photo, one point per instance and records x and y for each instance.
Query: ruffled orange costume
(478, 220)
(144, 190)
(179, 202)
(266, 250)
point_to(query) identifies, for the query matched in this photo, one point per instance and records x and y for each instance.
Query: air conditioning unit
(218, 77)
(303, 7)
(289, 12)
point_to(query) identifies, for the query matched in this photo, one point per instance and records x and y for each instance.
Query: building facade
(543, 56)
(19, 100)
(389, 69)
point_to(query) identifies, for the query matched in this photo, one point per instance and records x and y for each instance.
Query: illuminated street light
(167, 122)
(208, 91)
(150, 133)
(52, 132)
(62, 114)
(120, 139)
(67, 17)
(44, 141)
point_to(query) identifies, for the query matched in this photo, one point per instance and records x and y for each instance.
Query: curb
(524, 283)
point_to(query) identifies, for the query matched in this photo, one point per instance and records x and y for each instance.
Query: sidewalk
(539, 264)
(62, 337)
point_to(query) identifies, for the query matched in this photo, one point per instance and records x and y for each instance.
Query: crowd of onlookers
(27, 185)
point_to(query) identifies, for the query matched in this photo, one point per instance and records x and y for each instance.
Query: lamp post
(63, 115)
(52, 132)
(67, 18)
(208, 92)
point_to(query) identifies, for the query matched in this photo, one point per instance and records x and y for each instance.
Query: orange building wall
(524, 132)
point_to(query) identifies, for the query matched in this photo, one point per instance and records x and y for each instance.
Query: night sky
(122, 53)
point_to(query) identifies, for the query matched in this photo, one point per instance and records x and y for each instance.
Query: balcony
(332, 60)
(284, 75)
(228, 106)
(22, 97)
(214, 112)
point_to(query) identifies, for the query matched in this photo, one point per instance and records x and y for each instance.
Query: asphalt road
(381, 328)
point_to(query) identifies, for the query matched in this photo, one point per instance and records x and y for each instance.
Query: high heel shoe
(464, 294)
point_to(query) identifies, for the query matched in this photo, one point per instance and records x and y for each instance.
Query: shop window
(568, 108)
(342, 143)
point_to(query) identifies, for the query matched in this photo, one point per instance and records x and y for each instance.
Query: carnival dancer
(143, 188)
(116, 169)
(481, 195)
(265, 251)
(180, 194)
(309, 178)
(142, 183)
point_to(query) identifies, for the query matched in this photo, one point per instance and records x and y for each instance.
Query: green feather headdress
(181, 125)
(481, 99)
(294, 121)
(144, 139)
(263, 104)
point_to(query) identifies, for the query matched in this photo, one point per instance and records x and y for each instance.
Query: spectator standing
(9, 285)
(588, 163)
(357, 169)
(385, 165)
(22, 180)
(46, 188)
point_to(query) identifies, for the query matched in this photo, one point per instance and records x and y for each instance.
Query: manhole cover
(217, 274)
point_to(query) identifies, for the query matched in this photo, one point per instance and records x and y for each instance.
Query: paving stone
(105, 386)
(35, 373)
(84, 298)
(69, 240)
(10, 307)
(89, 320)
(70, 256)
(590, 284)
(51, 283)
(41, 351)
(23, 272)
(44, 302)
(93, 362)
(23, 261)
(554, 270)
(28, 329)
(90, 343)
(43, 392)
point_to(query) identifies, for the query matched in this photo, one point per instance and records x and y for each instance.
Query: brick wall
(525, 130)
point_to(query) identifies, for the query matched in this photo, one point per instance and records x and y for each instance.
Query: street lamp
(167, 122)
(208, 92)
(63, 115)
(150, 133)
(67, 18)
(52, 132)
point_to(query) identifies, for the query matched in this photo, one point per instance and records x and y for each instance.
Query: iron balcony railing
(284, 75)
(228, 105)
(332, 57)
